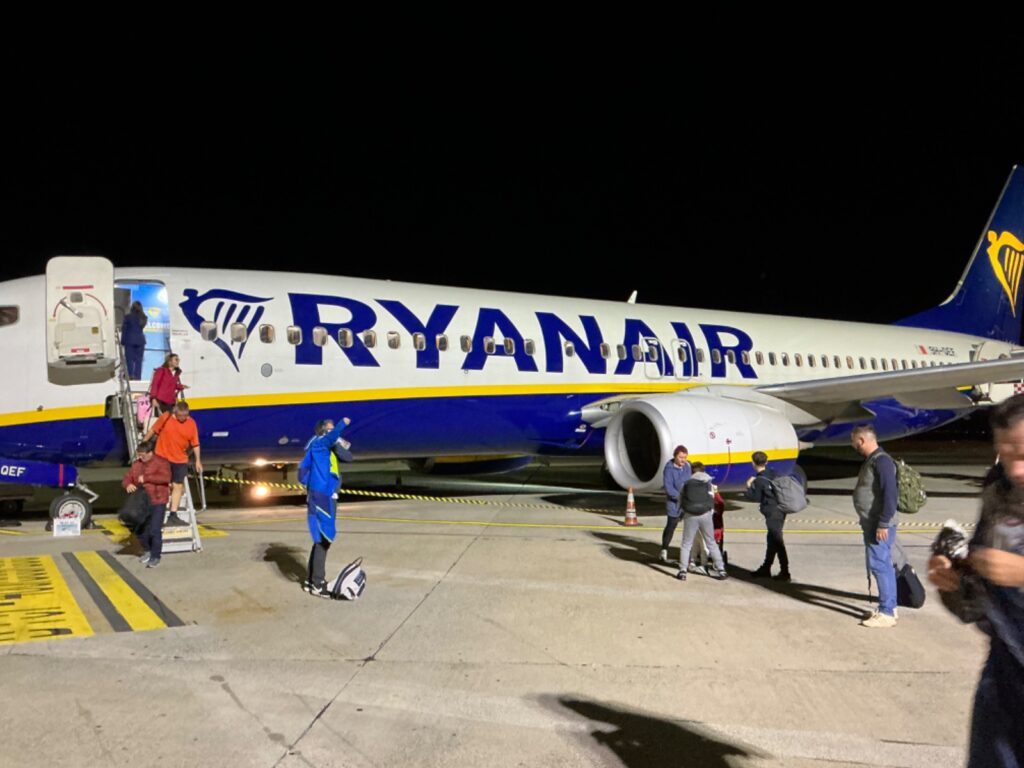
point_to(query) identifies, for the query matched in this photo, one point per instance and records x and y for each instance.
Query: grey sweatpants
(703, 523)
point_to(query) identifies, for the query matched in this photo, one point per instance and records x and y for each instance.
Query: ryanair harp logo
(224, 309)
(1006, 253)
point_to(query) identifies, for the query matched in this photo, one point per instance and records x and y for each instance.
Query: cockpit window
(8, 315)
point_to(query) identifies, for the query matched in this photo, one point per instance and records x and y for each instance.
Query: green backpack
(911, 495)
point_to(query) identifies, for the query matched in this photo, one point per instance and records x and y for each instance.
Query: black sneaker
(681, 575)
(782, 576)
(764, 572)
(153, 562)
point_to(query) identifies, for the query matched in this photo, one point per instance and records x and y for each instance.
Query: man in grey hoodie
(696, 505)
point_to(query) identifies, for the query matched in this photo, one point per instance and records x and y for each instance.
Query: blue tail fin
(988, 300)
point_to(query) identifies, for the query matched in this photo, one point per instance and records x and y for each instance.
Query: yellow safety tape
(513, 505)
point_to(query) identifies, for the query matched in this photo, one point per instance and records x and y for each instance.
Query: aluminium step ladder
(182, 534)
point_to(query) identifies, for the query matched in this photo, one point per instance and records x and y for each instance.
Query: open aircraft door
(81, 347)
(996, 391)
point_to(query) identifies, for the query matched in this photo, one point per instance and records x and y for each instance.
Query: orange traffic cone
(631, 518)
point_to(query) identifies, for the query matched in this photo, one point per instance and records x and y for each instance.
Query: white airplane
(426, 372)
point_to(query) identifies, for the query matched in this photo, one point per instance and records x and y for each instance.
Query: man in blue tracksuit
(318, 472)
(676, 473)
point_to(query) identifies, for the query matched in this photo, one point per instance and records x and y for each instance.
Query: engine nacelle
(720, 433)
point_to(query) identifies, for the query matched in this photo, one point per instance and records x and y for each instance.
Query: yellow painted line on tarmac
(125, 600)
(7, 532)
(120, 533)
(36, 603)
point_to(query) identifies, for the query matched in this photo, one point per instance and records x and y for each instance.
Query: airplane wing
(915, 382)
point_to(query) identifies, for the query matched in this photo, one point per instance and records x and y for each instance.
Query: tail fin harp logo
(1006, 253)
(224, 309)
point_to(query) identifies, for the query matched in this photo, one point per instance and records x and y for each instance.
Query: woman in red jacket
(150, 474)
(166, 384)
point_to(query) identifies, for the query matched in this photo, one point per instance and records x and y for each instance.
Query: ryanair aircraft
(427, 373)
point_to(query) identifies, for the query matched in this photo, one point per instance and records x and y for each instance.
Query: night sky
(560, 187)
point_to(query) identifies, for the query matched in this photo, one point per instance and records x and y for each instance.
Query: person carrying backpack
(696, 507)
(875, 499)
(760, 488)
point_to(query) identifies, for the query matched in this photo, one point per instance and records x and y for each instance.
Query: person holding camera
(996, 555)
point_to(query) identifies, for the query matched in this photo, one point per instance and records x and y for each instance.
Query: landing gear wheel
(71, 504)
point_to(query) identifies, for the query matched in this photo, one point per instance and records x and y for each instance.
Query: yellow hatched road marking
(120, 533)
(36, 603)
(125, 600)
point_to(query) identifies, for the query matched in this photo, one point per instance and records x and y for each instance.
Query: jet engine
(720, 433)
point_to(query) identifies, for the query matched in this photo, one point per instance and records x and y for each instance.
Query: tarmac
(528, 628)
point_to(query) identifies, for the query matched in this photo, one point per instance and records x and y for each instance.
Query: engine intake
(719, 432)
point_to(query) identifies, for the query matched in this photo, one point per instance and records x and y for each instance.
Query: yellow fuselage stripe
(38, 605)
(124, 599)
(352, 396)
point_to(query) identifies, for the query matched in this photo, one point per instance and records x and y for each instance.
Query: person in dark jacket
(318, 472)
(761, 490)
(675, 474)
(874, 498)
(150, 474)
(133, 339)
(997, 556)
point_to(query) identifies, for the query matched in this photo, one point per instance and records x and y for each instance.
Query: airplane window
(394, 340)
(681, 352)
(419, 342)
(606, 350)
(730, 355)
(510, 346)
(759, 357)
(913, 363)
(294, 334)
(838, 363)
(638, 354)
(489, 345)
(895, 365)
(885, 364)
(824, 361)
(849, 362)
(652, 352)
(785, 358)
(700, 355)
(771, 358)
(810, 361)
(370, 339)
(904, 364)
(874, 364)
(863, 364)
(239, 333)
(570, 350)
(529, 347)
(798, 359)
(466, 343)
(745, 357)
(345, 338)
(620, 350)
(320, 335)
(267, 334)
(8, 315)
(716, 356)
(208, 330)
(442, 342)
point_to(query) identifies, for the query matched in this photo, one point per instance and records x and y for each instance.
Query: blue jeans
(152, 536)
(997, 740)
(879, 560)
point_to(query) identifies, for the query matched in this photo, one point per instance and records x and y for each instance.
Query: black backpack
(696, 497)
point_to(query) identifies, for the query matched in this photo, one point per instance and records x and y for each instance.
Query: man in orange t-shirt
(176, 431)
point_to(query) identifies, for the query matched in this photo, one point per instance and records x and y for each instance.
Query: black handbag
(135, 510)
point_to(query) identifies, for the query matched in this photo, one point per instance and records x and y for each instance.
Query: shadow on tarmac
(629, 549)
(640, 740)
(290, 561)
